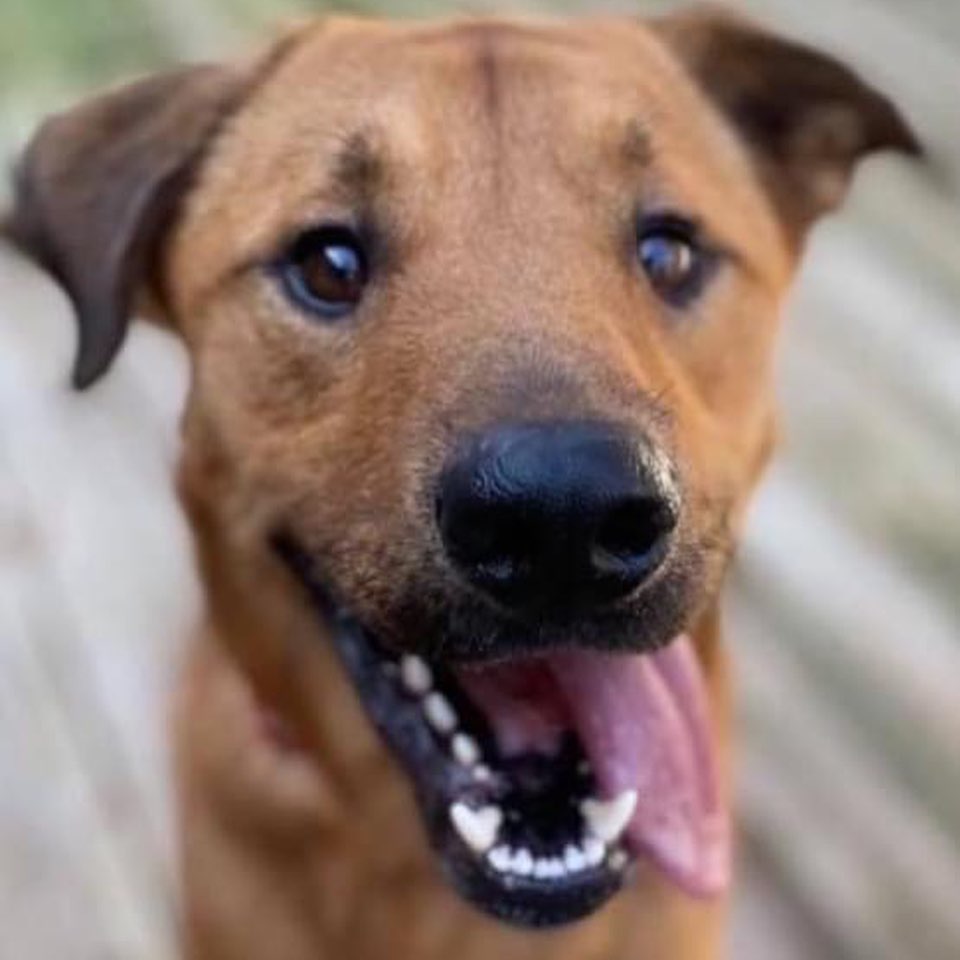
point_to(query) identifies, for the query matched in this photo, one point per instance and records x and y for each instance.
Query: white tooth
(465, 750)
(541, 868)
(607, 819)
(522, 862)
(478, 828)
(574, 859)
(440, 714)
(584, 768)
(500, 858)
(617, 859)
(415, 675)
(593, 850)
(556, 867)
(481, 773)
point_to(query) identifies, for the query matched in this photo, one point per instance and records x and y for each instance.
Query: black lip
(438, 781)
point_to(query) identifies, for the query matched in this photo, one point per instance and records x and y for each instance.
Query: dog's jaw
(540, 827)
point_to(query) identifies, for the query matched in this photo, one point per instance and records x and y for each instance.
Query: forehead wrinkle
(499, 31)
(488, 70)
(487, 65)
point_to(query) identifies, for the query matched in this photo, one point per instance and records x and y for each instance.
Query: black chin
(532, 904)
(538, 796)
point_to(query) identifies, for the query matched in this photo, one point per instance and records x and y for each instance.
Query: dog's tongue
(643, 722)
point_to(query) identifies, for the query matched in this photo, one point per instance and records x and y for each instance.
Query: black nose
(557, 516)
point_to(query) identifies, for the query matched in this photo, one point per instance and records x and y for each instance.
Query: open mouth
(544, 780)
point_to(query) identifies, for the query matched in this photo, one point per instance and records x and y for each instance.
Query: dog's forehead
(423, 86)
(580, 118)
(392, 50)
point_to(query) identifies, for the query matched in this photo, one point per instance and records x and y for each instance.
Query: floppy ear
(98, 184)
(807, 118)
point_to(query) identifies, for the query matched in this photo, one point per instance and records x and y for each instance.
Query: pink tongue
(643, 722)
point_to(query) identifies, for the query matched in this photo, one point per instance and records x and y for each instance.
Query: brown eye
(326, 271)
(672, 259)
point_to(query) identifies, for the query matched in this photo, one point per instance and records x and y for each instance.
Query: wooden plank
(99, 627)
(862, 303)
(893, 634)
(66, 813)
(863, 857)
(882, 464)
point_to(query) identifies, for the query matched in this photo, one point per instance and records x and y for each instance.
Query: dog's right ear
(98, 185)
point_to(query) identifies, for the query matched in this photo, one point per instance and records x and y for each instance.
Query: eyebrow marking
(637, 147)
(358, 167)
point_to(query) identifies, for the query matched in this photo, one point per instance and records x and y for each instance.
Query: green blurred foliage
(57, 42)
(56, 45)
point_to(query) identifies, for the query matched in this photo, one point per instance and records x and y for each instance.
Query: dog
(481, 317)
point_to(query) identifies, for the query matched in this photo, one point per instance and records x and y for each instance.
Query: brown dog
(481, 319)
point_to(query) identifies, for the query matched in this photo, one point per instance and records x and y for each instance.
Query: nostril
(493, 541)
(632, 536)
(511, 540)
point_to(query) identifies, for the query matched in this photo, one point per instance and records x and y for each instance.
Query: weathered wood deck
(846, 618)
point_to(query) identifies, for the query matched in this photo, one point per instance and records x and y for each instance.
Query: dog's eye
(672, 258)
(325, 271)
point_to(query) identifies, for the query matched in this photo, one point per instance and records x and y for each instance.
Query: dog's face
(481, 319)
(500, 251)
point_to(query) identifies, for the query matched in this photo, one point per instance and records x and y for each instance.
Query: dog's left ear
(98, 184)
(807, 118)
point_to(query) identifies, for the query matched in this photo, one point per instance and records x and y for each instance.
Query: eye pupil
(326, 271)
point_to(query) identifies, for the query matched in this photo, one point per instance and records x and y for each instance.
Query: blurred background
(846, 610)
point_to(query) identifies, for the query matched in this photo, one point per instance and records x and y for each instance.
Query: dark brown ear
(807, 117)
(98, 184)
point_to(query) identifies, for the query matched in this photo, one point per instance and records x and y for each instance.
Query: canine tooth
(617, 859)
(465, 749)
(440, 714)
(574, 859)
(500, 858)
(415, 674)
(477, 828)
(522, 862)
(593, 851)
(607, 819)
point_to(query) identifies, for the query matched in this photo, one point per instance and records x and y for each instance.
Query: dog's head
(480, 319)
